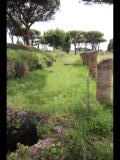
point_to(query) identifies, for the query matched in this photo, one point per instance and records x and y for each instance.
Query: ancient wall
(90, 60)
(104, 80)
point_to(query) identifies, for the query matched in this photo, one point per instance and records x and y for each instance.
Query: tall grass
(41, 90)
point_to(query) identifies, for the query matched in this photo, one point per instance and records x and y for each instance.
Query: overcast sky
(77, 16)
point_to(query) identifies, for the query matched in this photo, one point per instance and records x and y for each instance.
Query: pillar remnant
(90, 60)
(104, 80)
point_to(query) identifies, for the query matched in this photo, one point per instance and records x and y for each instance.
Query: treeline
(59, 38)
(22, 14)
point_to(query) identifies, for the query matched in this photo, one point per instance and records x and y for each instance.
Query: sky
(77, 16)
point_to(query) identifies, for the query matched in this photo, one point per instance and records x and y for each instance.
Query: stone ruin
(16, 70)
(90, 60)
(104, 80)
(11, 63)
(22, 70)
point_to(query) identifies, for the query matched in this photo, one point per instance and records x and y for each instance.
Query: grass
(42, 88)
(104, 56)
(22, 55)
(61, 91)
(52, 89)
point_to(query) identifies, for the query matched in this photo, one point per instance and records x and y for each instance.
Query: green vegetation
(21, 55)
(94, 38)
(61, 91)
(54, 38)
(21, 15)
(77, 37)
(40, 87)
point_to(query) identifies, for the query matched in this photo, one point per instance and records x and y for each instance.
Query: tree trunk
(98, 47)
(38, 46)
(12, 40)
(32, 43)
(23, 38)
(93, 46)
(11, 37)
(81, 47)
(27, 36)
(18, 39)
(86, 46)
(24, 42)
(75, 48)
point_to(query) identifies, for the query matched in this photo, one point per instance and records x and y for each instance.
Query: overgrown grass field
(51, 89)
(61, 91)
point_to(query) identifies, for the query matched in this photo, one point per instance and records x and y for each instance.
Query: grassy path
(52, 89)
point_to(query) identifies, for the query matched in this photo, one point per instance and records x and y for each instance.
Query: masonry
(90, 60)
(104, 80)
